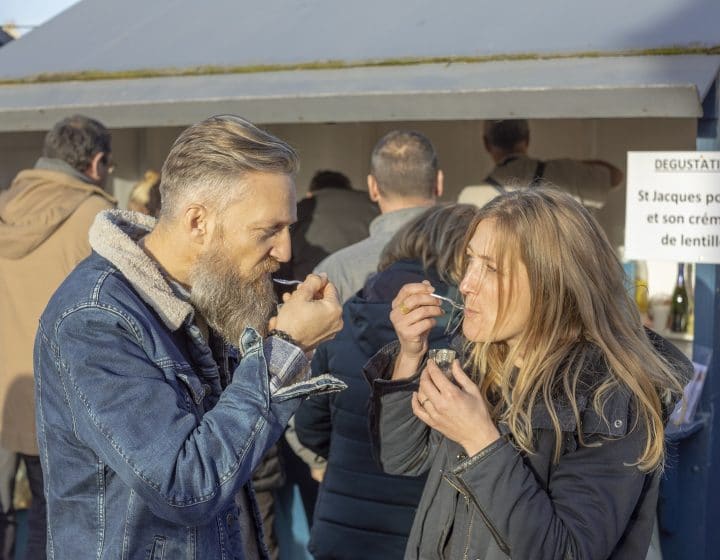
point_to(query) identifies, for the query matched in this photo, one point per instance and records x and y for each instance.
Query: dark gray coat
(503, 503)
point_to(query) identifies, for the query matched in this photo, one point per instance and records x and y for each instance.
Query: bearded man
(161, 378)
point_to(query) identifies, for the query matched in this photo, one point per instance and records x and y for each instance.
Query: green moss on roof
(91, 75)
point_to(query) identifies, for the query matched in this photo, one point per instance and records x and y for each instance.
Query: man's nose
(282, 250)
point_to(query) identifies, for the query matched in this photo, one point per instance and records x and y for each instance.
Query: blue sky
(31, 12)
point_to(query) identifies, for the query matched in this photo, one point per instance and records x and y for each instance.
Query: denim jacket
(148, 433)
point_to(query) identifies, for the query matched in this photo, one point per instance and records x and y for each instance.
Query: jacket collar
(114, 235)
(54, 164)
(390, 222)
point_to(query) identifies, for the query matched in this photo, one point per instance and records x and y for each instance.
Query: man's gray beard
(229, 301)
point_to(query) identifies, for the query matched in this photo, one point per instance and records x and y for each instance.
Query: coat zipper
(465, 491)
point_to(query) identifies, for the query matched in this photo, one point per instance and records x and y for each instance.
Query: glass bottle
(679, 304)
(641, 287)
(689, 284)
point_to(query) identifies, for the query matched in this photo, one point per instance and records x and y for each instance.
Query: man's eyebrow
(268, 224)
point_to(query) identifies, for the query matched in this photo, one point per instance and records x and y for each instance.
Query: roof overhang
(587, 87)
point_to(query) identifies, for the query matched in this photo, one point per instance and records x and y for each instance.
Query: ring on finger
(404, 309)
(422, 402)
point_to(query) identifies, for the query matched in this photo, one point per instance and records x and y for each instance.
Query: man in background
(45, 216)
(507, 142)
(404, 180)
(332, 216)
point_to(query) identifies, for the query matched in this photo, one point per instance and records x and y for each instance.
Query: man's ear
(196, 223)
(93, 170)
(440, 184)
(373, 188)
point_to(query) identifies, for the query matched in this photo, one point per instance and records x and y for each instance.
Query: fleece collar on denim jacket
(115, 235)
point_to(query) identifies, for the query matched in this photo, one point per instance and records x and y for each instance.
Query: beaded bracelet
(282, 335)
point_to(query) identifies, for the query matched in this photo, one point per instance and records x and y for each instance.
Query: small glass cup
(444, 358)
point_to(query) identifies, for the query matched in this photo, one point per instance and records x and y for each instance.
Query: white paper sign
(673, 206)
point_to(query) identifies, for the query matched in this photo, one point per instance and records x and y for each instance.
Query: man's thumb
(330, 293)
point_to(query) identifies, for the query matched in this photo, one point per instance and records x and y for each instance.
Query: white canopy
(379, 61)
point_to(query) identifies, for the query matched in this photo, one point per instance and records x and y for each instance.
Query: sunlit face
(231, 282)
(256, 227)
(480, 288)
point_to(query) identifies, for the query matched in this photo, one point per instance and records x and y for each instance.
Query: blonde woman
(145, 195)
(549, 442)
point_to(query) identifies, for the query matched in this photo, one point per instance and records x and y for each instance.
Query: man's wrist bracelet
(284, 336)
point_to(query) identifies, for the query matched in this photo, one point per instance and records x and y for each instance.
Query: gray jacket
(350, 267)
(503, 503)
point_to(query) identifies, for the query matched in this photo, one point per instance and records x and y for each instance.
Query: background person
(45, 216)
(180, 378)
(145, 195)
(361, 512)
(332, 216)
(560, 417)
(404, 180)
(507, 142)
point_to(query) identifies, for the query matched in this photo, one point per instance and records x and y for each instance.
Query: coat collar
(114, 235)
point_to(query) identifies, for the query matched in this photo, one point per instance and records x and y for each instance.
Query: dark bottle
(679, 306)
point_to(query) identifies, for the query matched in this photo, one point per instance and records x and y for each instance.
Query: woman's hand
(459, 412)
(413, 316)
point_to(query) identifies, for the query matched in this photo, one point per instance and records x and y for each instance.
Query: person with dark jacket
(332, 216)
(551, 446)
(362, 513)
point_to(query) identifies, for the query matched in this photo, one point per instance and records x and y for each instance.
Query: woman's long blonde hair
(581, 313)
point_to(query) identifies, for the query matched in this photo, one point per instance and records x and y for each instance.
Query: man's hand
(311, 314)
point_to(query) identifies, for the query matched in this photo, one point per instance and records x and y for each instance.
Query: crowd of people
(159, 363)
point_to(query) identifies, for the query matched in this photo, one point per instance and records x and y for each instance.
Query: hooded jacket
(44, 221)
(361, 512)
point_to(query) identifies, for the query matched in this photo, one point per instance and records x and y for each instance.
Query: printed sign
(673, 206)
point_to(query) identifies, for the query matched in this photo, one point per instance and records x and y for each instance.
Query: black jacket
(361, 512)
(503, 503)
(326, 222)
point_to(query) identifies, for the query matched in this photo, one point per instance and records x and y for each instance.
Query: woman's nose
(471, 280)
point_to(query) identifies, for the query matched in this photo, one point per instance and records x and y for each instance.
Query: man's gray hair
(405, 165)
(506, 134)
(209, 160)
